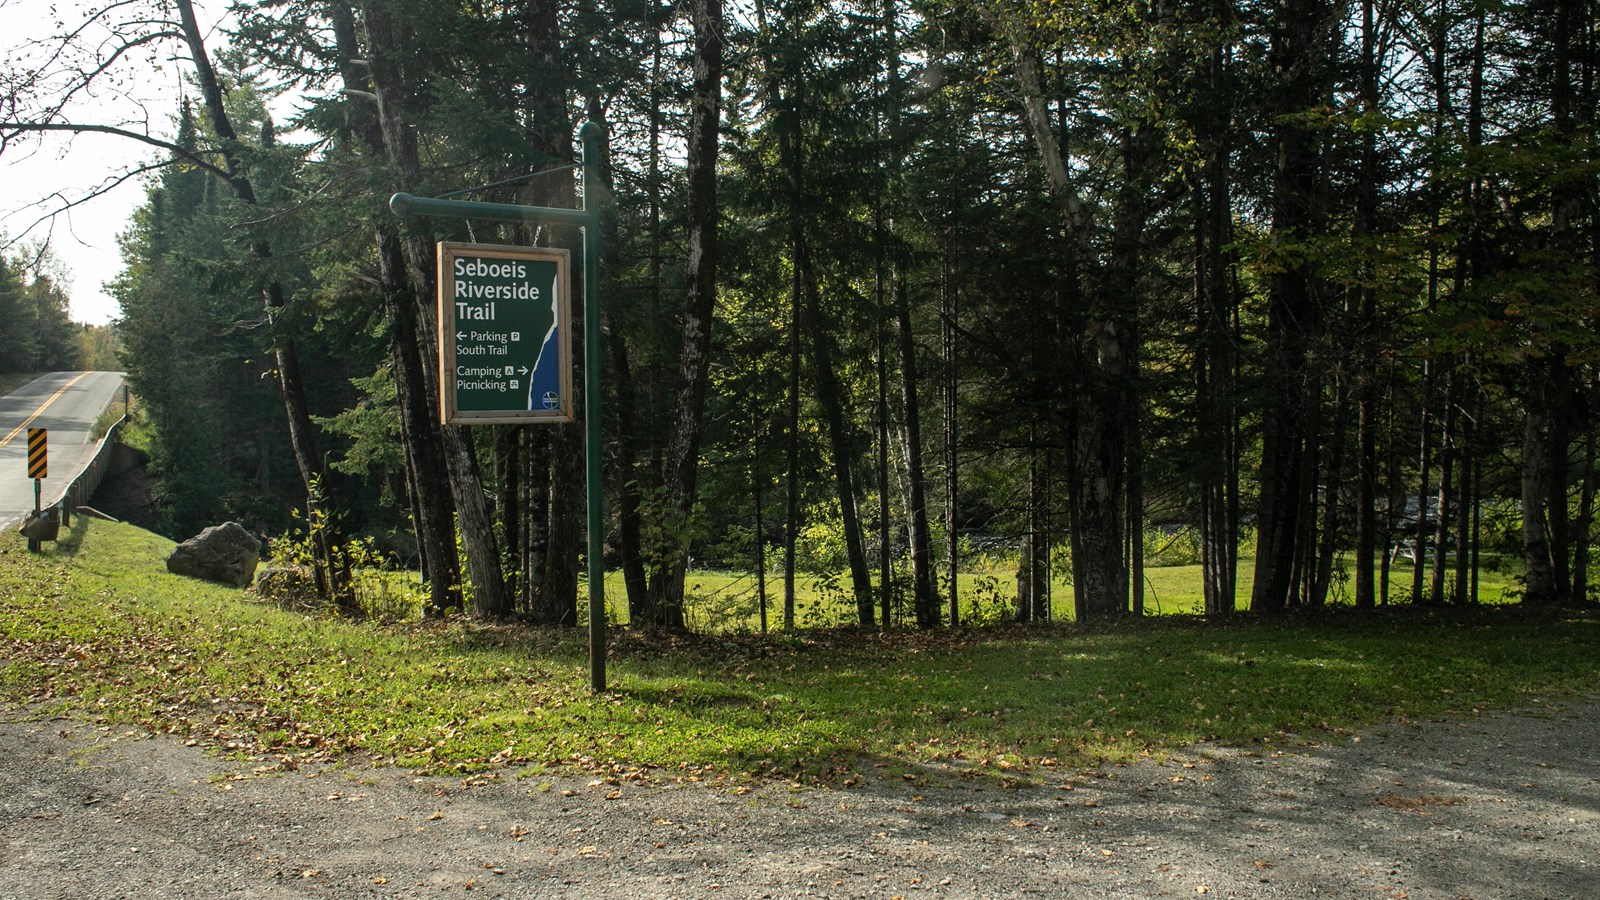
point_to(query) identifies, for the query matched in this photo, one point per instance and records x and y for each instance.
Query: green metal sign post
(403, 205)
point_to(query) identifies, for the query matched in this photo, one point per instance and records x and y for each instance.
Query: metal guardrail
(88, 481)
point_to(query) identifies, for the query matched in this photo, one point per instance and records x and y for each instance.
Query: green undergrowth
(94, 627)
(10, 381)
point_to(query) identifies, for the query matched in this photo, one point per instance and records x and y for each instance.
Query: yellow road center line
(40, 411)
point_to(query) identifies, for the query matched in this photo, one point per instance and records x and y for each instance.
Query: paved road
(66, 403)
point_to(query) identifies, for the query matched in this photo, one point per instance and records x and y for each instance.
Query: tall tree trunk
(535, 549)
(1214, 383)
(393, 92)
(434, 509)
(1466, 501)
(332, 571)
(1334, 476)
(700, 296)
(1540, 575)
(1583, 527)
(419, 431)
(924, 591)
(1448, 453)
(952, 470)
(1298, 56)
(638, 433)
(830, 397)
(547, 131)
(1099, 468)
(1551, 391)
(630, 537)
(508, 464)
(1365, 232)
(881, 359)
(791, 503)
(758, 477)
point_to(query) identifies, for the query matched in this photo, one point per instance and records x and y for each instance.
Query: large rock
(224, 553)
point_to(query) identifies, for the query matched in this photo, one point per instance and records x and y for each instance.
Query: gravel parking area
(1502, 805)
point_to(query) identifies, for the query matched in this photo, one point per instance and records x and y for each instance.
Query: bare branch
(9, 129)
(67, 205)
(76, 62)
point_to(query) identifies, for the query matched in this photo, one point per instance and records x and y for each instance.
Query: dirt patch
(1498, 806)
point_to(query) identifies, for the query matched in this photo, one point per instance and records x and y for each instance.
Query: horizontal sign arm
(404, 205)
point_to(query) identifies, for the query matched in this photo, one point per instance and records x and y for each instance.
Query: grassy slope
(10, 381)
(94, 625)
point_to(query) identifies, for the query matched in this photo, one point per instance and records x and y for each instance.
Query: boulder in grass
(287, 585)
(226, 554)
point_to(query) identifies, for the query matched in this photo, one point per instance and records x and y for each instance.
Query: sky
(50, 171)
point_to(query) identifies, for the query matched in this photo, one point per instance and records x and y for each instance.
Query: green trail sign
(589, 219)
(505, 326)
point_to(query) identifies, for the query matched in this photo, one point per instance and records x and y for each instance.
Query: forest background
(886, 286)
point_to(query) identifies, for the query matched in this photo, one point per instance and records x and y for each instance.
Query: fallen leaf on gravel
(379, 879)
(308, 873)
(437, 815)
(1416, 804)
(1262, 864)
(1202, 889)
(1021, 823)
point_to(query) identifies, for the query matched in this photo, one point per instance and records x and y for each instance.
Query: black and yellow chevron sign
(38, 458)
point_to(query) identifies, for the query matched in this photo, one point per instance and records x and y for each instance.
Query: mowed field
(730, 601)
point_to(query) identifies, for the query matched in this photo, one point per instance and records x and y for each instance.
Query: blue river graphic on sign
(544, 383)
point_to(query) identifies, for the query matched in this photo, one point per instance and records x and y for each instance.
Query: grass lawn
(94, 627)
(728, 601)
